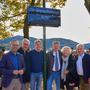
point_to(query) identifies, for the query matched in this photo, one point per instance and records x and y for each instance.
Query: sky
(75, 24)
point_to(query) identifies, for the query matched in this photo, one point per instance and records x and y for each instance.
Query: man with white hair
(83, 67)
(24, 50)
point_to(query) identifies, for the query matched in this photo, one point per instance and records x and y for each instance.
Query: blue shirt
(36, 61)
(14, 58)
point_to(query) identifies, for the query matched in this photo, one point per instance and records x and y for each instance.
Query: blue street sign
(47, 11)
(43, 16)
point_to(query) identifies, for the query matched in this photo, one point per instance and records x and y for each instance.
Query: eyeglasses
(26, 44)
(15, 45)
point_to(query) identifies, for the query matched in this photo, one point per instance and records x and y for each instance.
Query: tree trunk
(26, 28)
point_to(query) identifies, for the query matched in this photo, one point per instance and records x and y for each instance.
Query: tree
(4, 34)
(3, 30)
(14, 13)
(87, 5)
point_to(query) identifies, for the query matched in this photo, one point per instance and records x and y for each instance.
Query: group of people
(22, 68)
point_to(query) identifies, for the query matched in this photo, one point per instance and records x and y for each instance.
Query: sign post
(44, 48)
(38, 16)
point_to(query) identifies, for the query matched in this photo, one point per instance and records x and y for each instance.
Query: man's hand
(66, 72)
(21, 72)
(15, 72)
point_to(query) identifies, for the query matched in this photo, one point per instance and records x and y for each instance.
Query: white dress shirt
(54, 54)
(79, 65)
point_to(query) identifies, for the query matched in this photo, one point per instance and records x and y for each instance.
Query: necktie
(56, 62)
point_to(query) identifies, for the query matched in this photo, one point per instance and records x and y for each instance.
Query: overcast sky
(75, 24)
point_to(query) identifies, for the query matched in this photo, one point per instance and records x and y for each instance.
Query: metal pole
(44, 48)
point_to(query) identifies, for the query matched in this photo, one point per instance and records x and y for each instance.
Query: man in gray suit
(54, 63)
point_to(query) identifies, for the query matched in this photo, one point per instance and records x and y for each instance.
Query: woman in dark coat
(69, 75)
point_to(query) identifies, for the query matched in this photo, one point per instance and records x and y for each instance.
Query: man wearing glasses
(12, 68)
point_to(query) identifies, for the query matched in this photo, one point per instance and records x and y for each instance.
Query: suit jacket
(72, 76)
(86, 67)
(26, 74)
(50, 62)
(7, 67)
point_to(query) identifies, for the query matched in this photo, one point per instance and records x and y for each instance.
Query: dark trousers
(0, 88)
(68, 87)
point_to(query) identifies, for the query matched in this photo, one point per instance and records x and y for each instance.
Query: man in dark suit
(12, 68)
(24, 50)
(54, 63)
(83, 67)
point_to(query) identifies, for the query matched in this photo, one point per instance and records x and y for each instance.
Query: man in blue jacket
(12, 68)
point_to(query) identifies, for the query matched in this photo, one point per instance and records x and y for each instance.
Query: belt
(55, 71)
(80, 76)
(16, 76)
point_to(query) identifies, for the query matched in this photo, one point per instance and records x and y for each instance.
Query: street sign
(38, 16)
